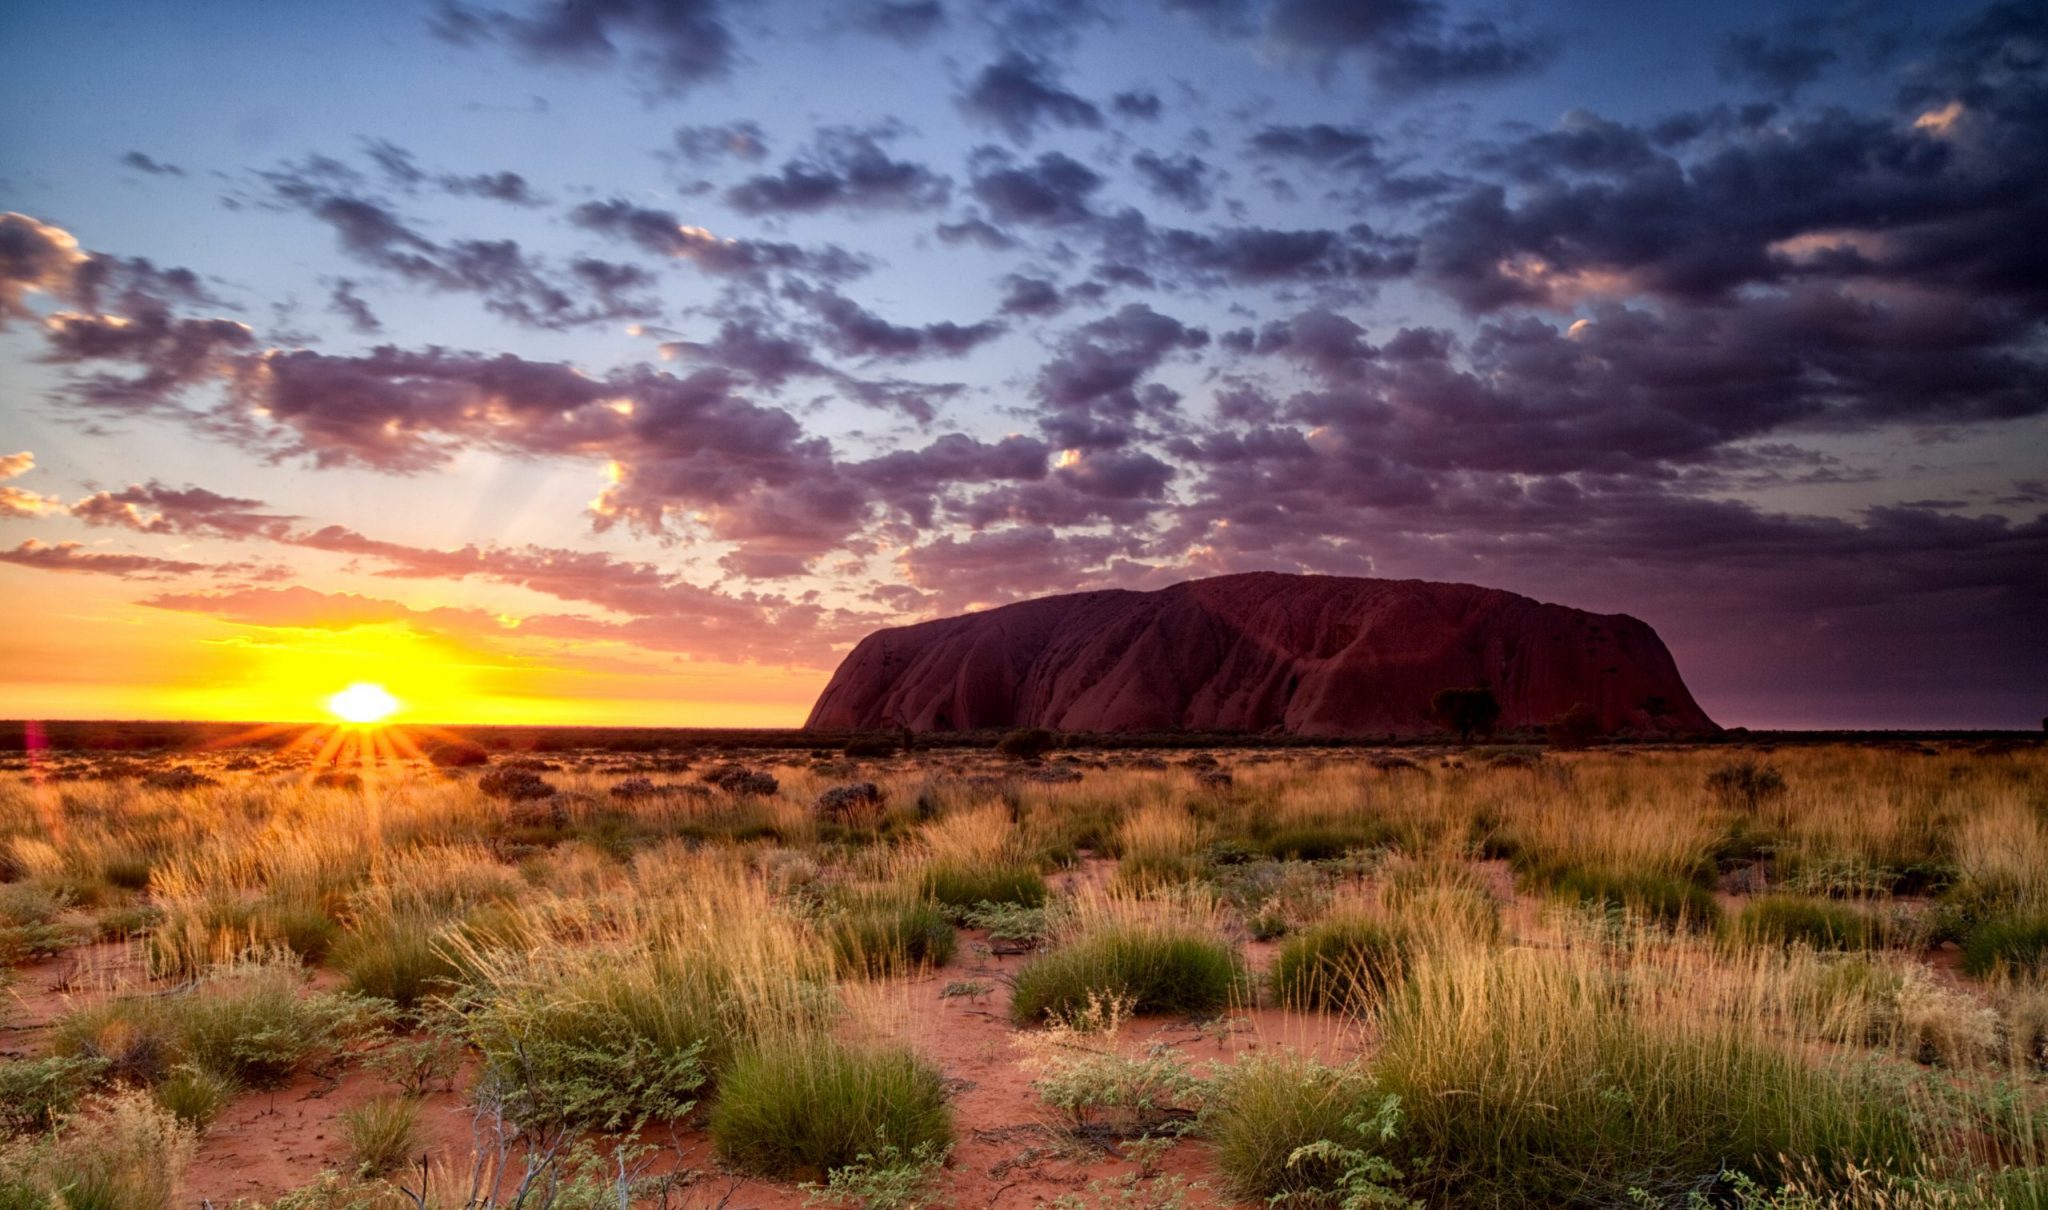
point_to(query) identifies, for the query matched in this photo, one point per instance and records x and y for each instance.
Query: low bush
(35, 1093)
(801, 1105)
(962, 886)
(1345, 965)
(1027, 743)
(1265, 1108)
(558, 1059)
(879, 937)
(1795, 919)
(1152, 969)
(1669, 901)
(246, 1022)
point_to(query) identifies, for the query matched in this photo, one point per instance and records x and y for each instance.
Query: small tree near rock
(1027, 743)
(1466, 711)
(1577, 727)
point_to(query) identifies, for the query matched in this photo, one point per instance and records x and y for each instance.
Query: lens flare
(363, 703)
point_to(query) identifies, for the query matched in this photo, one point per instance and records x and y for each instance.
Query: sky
(626, 361)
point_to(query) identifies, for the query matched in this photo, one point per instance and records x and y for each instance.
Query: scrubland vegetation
(1439, 977)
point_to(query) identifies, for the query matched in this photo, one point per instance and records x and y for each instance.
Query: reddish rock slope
(1311, 655)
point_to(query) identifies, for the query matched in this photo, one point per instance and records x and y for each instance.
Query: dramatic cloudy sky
(627, 360)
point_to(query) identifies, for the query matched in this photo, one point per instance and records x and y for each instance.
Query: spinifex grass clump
(1668, 900)
(1264, 1108)
(973, 857)
(1156, 955)
(2014, 941)
(883, 934)
(1346, 964)
(799, 1104)
(1548, 1078)
(958, 886)
(1797, 919)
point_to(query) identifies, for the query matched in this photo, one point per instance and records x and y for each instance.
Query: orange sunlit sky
(626, 363)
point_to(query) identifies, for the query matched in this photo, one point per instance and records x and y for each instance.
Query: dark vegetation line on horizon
(143, 735)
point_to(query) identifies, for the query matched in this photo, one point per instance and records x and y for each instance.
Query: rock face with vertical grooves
(1305, 655)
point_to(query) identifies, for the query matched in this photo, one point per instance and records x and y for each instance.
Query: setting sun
(363, 702)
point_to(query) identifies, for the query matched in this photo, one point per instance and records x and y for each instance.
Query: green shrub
(885, 1180)
(381, 1134)
(246, 1022)
(1344, 965)
(803, 1105)
(396, 959)
(890, 936)
(1264, 1108)
(1789, 919)
(34, 1093)
(965, 886)
(2018, 941)
(1152, 970)
(1010, 924)
(563, 1062)
(1669, 901)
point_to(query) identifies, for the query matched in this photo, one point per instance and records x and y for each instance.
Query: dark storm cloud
(676, 44)
(1928, 200)
(910, 22)
(1403, 46)
(73, 557)
(1031, 296)
(660, 231)
(1018, 95)
(1779, 64)
(1051, 191)
(511, 282)
(845, 168)
(750, 346)
(154, 167)
(854, 331)
(1256, 254)
(1183, 178)
(1344, 148)
(1094, 385)
(1139, 105)
(154, 508)
(343, 300)
(709, 144)
(508, 187)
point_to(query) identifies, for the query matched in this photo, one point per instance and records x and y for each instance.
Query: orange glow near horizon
(91, 654)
